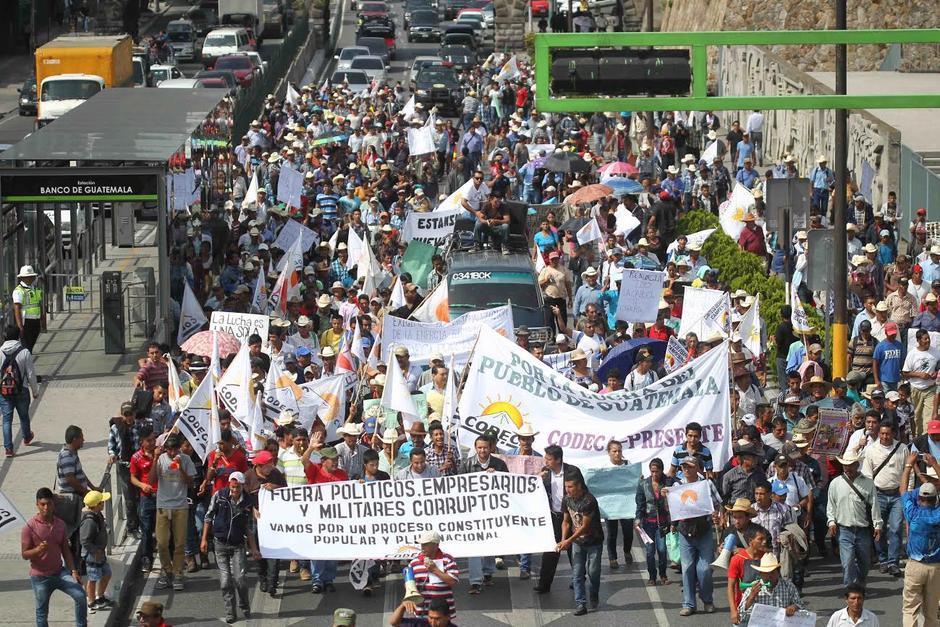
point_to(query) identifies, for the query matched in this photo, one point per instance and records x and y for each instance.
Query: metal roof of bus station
(120, 125)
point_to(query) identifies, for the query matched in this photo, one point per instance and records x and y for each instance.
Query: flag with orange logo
(435, 307)
(690, 500)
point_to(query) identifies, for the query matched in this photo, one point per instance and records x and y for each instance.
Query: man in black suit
(553, 475)
(482, 568)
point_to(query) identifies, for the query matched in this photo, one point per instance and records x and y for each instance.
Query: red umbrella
(591, 193)
(618, 167)
(201, 344)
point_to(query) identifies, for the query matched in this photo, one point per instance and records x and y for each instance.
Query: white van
(223, 41)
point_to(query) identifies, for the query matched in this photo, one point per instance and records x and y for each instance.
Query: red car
(539, 8)
(243, 67)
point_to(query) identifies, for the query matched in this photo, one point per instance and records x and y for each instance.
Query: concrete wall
(510, 23)
(806, 134)
(756, 15)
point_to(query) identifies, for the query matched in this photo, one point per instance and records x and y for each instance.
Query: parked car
(356, 79)
(347, 54)
(226, 75)
(419, 63)
(181, 83)
(373, 66)
(377, 46)
(160, 73)
(438, 86)
(244, 68)
(424, 26)
(28, 97)
(212, 83)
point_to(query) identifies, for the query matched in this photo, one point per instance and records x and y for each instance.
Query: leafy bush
(743, 271)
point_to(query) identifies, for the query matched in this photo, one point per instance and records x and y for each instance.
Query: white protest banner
(10, 517)
(558, 361)
(772, 616)
(241, 325)
(290, 187)
(676, 354)
(424, 339)
(640, 293)
(536, 150)
(692, 240)
(690, 500)
(477, 514)
(199, 421)
(506, 384)
(434, 228)
(695, 304)
(288, 235)
(191, 315)
(420, 141)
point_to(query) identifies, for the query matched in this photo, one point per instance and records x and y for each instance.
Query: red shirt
(224, 466)
(140, 468)
(739, 569)
(316, 474)
(35, 532)
(659, 334)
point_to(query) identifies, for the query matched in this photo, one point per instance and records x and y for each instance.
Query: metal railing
(105, 485)
(140, 304)
(919, 186)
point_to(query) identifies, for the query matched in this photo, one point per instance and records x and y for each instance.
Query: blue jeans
(499, 234)
(854, 553)
(697, 555)
(525, 563)
(821, 200)
(889, 546)
(480, 567)
(197, 515)
(20, 402)
(147, 513)
(586, 560)
(654, 550)
(43, 587)
(323, 571)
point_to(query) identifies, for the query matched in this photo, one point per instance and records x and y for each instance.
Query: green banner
(417, 262)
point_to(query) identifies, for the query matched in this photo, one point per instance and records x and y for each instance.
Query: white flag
(455, 200)
(10, 517)
(234, 388)
(676, 355)
(191, 315)
(731, 212)
(690, 500)
(255, 422)
(626, 221)
(359, 573)
(292, 96)
(509, 71)
(396, 395)
(434, 308)
(260, 294)
(252, 194)
(356, 348)
(199, 422)
(450, 400)
(539, 261)
(326, 398)
(710, 153)
(374, 354)
(334, 241)
(397, 299)
(371, 271)
(288, 282)
(798, 317)
(175, 389)
(354, 244)
(750, 328)
(589, 232)
(409, 109)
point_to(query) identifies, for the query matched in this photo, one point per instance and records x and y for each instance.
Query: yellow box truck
(72, 69)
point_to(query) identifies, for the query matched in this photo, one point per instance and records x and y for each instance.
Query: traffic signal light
(620, 72)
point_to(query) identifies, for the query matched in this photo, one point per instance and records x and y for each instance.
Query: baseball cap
(891, 329)
(344, 617)
(237, 476)
(94, 498)
(928, 491)
(262, 458)
(779, 488)
(933, 427)
(430, 537)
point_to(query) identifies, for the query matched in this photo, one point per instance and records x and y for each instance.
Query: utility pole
(840, 271)
(32, 26)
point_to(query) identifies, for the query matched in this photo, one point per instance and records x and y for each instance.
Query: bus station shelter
(111, 151)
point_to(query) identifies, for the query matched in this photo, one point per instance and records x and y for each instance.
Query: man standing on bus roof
(28, 312)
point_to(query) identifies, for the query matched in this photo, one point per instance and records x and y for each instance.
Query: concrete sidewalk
(81, 386)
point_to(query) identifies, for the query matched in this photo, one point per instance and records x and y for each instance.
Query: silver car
(373, 66)
(346, 55)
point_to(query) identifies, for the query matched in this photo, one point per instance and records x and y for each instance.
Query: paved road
(625, 599)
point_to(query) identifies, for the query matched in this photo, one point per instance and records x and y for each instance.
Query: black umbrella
(567, 162)
(574, 224)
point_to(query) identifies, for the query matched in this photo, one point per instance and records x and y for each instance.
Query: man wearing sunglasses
(150, 614)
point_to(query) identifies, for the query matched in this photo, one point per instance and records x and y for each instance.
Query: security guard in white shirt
(28, 312)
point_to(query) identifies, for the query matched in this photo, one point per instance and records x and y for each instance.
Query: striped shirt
(327, 203)
(432, 587)
(289, 463)
(68, 463)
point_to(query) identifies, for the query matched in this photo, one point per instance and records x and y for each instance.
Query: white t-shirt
(635, 380)
(921, 361)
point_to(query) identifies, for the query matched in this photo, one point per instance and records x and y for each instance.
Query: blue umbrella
(622, 185)
(623, 356)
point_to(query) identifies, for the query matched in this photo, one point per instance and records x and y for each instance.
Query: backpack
(11, 379)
